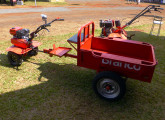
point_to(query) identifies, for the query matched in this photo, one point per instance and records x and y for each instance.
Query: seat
(73, 39)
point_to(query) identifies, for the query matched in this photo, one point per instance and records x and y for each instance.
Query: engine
(106, 23)
(20, 33)
(108, 26)
(20, 37)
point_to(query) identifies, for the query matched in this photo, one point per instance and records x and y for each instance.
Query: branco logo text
(121, 64)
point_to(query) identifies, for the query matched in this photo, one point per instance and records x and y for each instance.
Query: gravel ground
(58, 9)
(23, 10)
(111, 8)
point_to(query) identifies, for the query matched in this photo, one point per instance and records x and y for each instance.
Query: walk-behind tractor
(114, 59)
(113, 28)
(23, 44)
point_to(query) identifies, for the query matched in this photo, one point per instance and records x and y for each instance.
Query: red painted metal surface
(59, 51)
(22, 43)
(128, 58)
(18, 50)
(14, 30)
(118, 35)
(21, 46)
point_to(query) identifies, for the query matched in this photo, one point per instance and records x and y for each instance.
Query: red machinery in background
(113, 28)
(113, 58)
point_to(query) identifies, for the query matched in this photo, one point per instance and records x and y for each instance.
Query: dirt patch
(74, 19)
(16, 14)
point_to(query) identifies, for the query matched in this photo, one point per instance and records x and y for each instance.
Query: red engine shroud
(14, 30)
(22, 43)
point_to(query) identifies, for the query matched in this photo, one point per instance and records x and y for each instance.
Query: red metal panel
(18, 50)
(14, 30)
(21, 46)
(22, 43)
(86, 29)
(85, 34)
(60, 51)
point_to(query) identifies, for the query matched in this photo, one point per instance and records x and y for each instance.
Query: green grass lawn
(52, 88)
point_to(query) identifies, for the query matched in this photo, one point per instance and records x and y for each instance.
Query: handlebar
(47, 24)
(144, 11)
(43, 27)
(56, 20)
(161, 8)
(156, 7)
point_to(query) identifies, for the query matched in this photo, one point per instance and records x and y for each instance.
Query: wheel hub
(108, 88)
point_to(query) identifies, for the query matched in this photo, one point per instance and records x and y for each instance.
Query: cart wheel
(14, 59)
(33, 52)
(109, 85)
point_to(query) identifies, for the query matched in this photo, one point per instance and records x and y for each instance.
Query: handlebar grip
(47, 25)
(154, 6)
(60, 19)
(161, 8)
(56, 20)
(157, 5)
(157, 9)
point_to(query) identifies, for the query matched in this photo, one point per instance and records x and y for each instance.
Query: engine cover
(22, 43)
(14, 30)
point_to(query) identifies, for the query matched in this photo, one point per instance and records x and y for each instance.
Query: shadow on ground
(4, 61)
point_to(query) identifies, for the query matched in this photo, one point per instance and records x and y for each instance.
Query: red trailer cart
(113, 58)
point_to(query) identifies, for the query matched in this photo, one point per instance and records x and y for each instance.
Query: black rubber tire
(14, 59)
(113, 83)
(33, 52)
